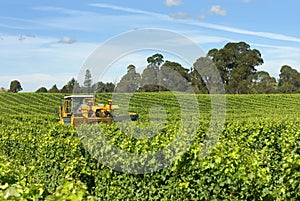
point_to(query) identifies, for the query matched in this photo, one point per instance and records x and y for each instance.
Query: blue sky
(47, 42)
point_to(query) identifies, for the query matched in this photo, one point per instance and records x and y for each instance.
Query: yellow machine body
(78, 109)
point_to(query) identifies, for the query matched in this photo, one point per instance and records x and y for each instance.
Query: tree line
(236, 64)
(73, 86)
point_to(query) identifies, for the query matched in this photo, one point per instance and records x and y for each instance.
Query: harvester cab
(78, 109)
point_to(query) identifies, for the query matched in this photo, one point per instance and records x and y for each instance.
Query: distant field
(237, 106)
(257, 156)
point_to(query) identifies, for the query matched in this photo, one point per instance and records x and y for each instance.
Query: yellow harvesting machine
(78, 109)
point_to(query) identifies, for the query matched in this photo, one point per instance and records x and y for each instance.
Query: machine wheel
(98, 113)
(134, 117)
(108, 114)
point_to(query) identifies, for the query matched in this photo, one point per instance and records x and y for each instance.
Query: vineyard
(256, 156)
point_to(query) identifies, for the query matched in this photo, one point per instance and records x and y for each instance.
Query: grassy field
(256, 156)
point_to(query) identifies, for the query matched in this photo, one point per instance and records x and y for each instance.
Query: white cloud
(244, 31)
(49, 56)
(74, 20)
(273, 66)
(203, 39)
(126, 9)
(180, 15)
(173, 2)
(62, 10)
(67, 40)
(40, 61)
(85, 21)
(279, 50)
(19, 23)
(276, 56)
(42, 48)
(205, 25)
(218, 10)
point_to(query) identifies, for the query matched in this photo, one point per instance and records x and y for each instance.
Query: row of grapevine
(236, 105)
(257, 156)
(28, 103)
(251, 161)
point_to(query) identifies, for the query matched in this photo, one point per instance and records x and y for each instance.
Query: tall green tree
(87, 84)
(196, 81)
(64, 89)
(289, 80)
(237, 64)
(263, 83)
(15, 86)
(109, 87)
(150, 75)
(149, 80)
(76, 88)
(172, 76)
(204, 77)
(101, 87)
(71, 84)
(155, 61)
(53, 89)
(41, 90)
(130, 82)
